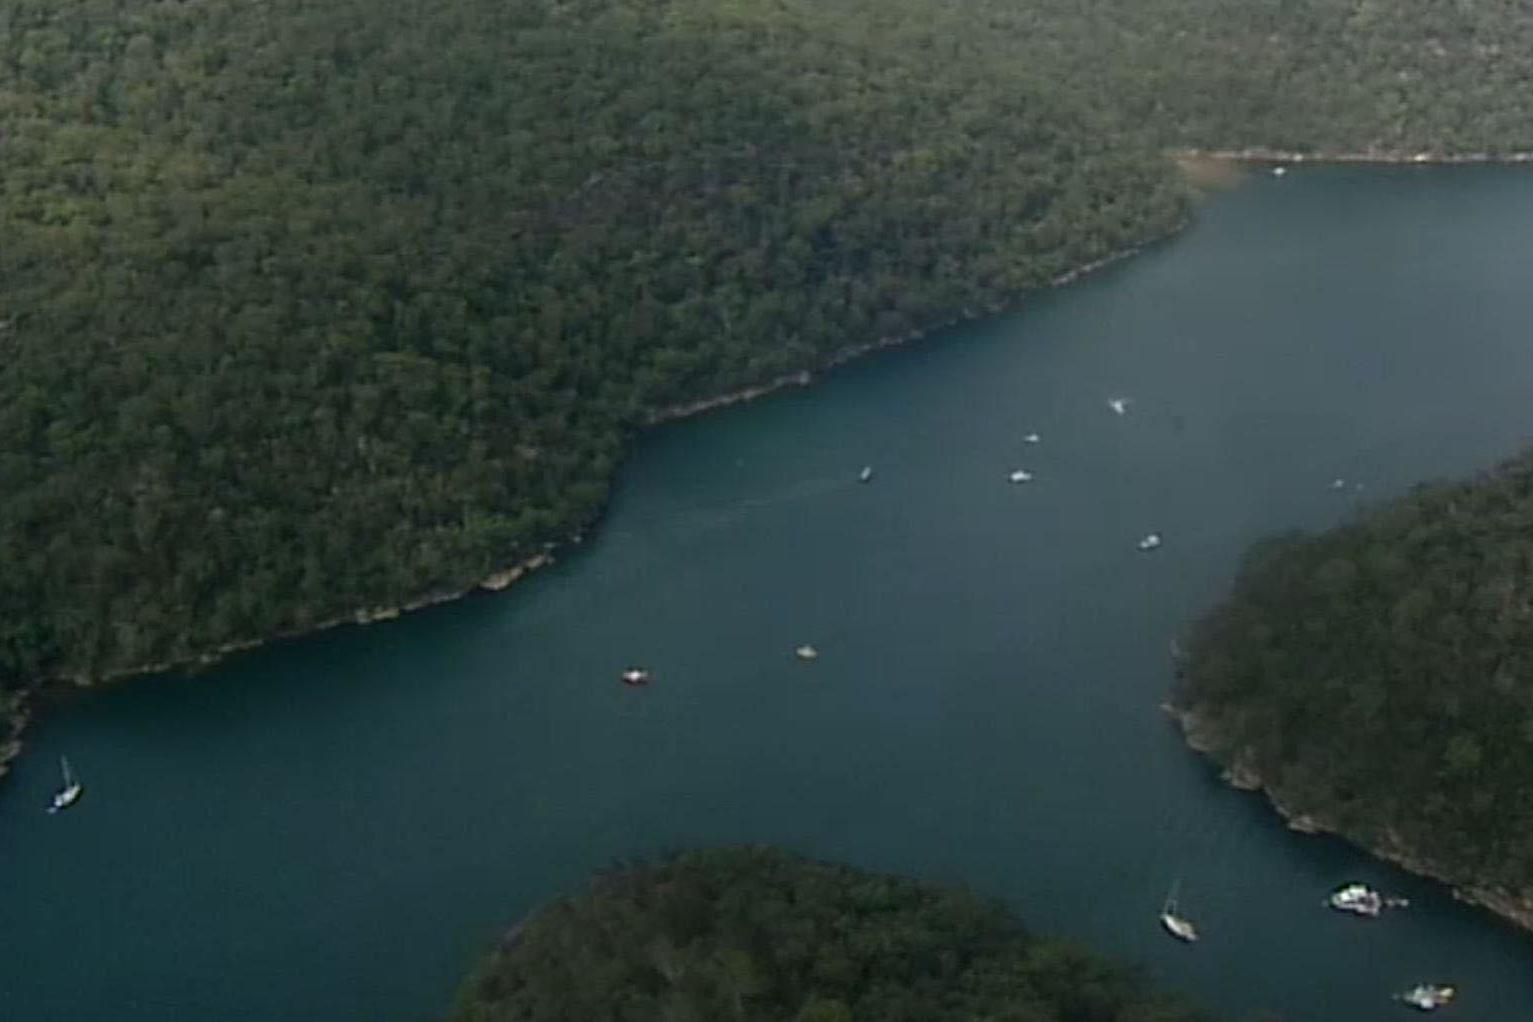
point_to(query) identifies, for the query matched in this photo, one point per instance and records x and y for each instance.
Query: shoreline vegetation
(754, 933)
(314, 307)
(1243, 777)
(806, 377)
(1375, 681)
(19, 712)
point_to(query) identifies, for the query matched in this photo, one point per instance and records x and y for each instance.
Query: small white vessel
(1021, 475)
(1031, 438)
(1428, 996)
(1279, 171)
(1150, 542)
(866, 474)
(71, 791)
(1358, 899)
(1172, 919)
(1118, 404)
(1338, 483)
(636, 676)
(807, 652)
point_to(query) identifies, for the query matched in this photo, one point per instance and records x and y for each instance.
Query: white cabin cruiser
(1358, 899)
(1428, 996)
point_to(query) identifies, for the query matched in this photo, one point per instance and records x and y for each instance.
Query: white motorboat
(636, 676)
(1428, 996)
(1118, 404)
(807, 652)
(1021, 475)
(1358, 899)
(866, 474)
(1031, 438)
(1150, 542)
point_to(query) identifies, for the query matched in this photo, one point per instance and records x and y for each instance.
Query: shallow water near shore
(336, 827)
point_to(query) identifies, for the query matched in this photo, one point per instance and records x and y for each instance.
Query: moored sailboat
(1171, 918)
(69, 793)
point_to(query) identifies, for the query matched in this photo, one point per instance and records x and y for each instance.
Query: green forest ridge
(308, 308)
(1377, 681)
(758, 935)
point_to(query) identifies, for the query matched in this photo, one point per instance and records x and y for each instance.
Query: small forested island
(759, 934)
(1376, 681)
(312, 311)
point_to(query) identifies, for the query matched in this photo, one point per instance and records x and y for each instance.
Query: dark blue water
(335, 828)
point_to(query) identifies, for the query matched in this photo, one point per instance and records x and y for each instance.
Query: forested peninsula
(1377, 681)
(311, 310)
(758, 934)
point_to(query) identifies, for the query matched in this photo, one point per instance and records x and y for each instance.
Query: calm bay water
(335, 828)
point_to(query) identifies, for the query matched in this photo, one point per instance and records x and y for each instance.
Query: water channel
(336, 827)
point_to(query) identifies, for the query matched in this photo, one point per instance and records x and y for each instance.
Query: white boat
(1021, 475)
(1358, 899)
(1338, 483)
(1171, 918)
(636, 676)
(806, 652)
(71, 791)
(1428, 996)
(1118, 404)
(1150, 542)
(1279, 171)
(1031, 438)
(866, 474)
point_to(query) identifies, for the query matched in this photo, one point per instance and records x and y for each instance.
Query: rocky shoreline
(1242, 775)
(12, 721)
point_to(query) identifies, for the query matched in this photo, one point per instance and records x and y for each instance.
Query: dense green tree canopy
(1379, 677)
(308, 306)
(317, 306)
(757, 934)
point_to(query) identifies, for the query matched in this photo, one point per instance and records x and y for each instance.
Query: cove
(336, 827)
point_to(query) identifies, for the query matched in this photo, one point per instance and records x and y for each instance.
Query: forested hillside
(1393, 76)
(755, 934)
(1379, 678)
(318, 306)
(308, 306)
